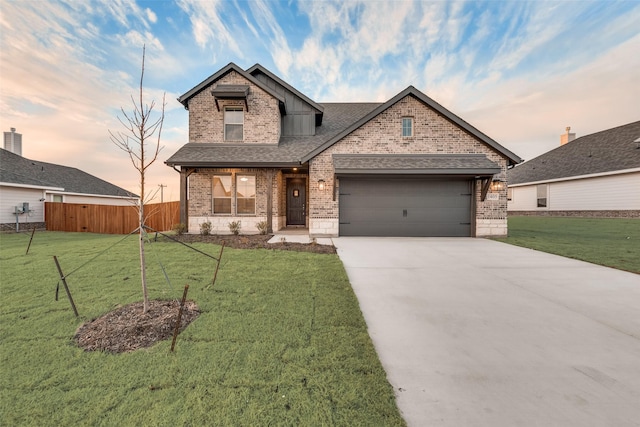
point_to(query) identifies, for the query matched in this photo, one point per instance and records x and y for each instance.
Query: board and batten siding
(612, 192)
(300, 119)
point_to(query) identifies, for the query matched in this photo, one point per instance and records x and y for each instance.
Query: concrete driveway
(473, 332)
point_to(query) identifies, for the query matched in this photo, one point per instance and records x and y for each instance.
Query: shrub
(234, 227)
(262, 227)
(205, 228)
(180, 229)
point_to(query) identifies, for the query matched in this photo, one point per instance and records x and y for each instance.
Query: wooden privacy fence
(107, 219)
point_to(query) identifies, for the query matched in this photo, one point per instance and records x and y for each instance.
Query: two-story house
(259, 150)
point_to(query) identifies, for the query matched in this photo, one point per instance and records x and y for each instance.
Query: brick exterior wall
(201, 200)
(433, 134)
(261, 121)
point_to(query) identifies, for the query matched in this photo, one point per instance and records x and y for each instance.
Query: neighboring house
(25, 185)
(594, 175)
(259, 150)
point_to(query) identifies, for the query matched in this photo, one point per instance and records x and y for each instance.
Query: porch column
(184, 204)
(270, 174)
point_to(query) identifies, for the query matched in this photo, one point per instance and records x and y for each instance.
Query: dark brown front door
(296, 201)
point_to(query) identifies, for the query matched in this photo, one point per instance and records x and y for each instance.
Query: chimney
(567, 137)
(13, 142)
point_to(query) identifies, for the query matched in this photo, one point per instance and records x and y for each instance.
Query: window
(246, 194)
(407, 127)
(233, 124)
(542, 195)
(509, 193)
(222, 194)
(57, 198)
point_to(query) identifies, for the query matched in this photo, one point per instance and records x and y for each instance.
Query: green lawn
(280, 341)
(612, 242)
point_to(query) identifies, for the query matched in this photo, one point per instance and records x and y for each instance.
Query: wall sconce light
(497, 184)
(321, 184)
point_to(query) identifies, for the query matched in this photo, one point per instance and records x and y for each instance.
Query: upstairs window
(542, 195)
(233, 124)
(407, 127)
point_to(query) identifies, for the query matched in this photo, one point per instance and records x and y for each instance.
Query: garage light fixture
(497, 184)
(321, 184)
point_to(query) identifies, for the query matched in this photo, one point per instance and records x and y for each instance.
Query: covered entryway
(408, 206)
(296, 202)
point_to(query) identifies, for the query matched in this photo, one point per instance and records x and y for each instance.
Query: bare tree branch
(140, 127)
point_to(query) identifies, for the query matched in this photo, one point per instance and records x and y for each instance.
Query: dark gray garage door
(405, 207)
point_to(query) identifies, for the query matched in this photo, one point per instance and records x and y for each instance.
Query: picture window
(222, 194)
(245, 194)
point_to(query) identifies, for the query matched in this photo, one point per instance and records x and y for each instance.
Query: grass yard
(612, 242)
(280, 340)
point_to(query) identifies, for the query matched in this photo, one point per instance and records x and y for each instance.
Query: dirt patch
(256, 241)
(128, 328)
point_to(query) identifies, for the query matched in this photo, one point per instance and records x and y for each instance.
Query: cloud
(208, 25)
(151, 16)
(63, 83)
(528, 116)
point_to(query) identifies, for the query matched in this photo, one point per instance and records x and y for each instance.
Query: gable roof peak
(420, 96)
(184, 99)
(257, 68)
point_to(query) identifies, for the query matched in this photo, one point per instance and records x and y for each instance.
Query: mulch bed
(127, 328)
(256, 241)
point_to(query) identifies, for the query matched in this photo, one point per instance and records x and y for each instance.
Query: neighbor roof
(15, 169)
(606, 151)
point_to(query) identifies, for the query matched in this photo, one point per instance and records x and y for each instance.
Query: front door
(296, 201)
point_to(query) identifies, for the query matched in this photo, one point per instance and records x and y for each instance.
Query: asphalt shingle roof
(606, 151)
(290, 150)
(335, 122)
(15, 169)
(438, 164)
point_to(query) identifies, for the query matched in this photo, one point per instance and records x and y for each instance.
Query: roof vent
(567, 137)
(13, 142)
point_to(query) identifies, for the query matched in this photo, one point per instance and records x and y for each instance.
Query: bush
(180, 229)
(205, 228)
(234, 227)
(262, 227)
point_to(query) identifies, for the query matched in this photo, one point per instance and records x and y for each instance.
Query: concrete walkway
(473, 332)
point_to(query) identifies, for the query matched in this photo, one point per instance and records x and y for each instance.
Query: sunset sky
(520, 71)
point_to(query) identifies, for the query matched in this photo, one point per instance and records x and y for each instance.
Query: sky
(519, 71)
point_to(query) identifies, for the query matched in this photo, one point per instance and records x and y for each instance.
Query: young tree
(143, 127)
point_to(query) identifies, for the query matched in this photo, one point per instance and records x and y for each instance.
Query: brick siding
(433, 134)
(261, 121)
